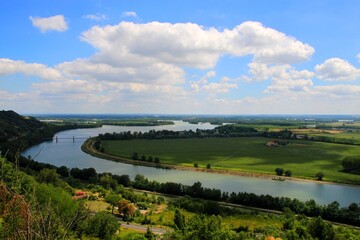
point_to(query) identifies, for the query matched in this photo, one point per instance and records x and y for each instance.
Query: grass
(97, 206)
(303, 158)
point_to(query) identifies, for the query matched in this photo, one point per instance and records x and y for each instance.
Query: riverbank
(87, 147)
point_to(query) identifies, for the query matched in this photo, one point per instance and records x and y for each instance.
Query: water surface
(66, 152)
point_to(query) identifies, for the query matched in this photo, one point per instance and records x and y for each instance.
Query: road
(143, 228)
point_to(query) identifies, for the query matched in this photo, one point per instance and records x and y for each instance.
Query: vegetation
(303, 158)
(49, 202)
(351, 164)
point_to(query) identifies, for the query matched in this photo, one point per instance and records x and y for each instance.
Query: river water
(66, 152)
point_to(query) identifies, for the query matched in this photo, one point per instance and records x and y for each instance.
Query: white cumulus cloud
(267, 45)
(336, 69)
(203, 85)
(191, 45)
(54, 23)
(8, 66)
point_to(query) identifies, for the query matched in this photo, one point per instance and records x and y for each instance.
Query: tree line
(333, 211)
(222, 131)
(287, 134)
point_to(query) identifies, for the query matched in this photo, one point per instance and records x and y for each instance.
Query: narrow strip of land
(88, 148)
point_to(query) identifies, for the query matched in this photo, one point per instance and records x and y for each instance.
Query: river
(66, 152)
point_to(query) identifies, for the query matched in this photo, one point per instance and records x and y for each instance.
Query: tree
(135, 156)
(150, 159)
(179, 220)
(149, 234)
(279, 171)
(288, 173)
(208, 166)
(204, 227)
(63, 171)
(157, 160)
(351, 164)
(319, 229)
(102, 225)
(126, 208)
(48, 175)
(319, 176)
(113, 200)
(123, 180)
(106, 180)
(196, 165)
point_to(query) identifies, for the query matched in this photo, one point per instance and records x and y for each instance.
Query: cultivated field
(303, 158)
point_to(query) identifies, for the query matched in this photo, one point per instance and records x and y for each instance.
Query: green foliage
(288, 173)
(319, 176)
(63, 171)
(129, 235)
(319, 229)
(149, 235)
(102, 225)
(351, 164)
(201, 227)
(135, 156)
(113, 200)
(47, 176)
(245, 154)
(57, 198)
(107, 181)
(279, 171)
(208, 166)
(179, 220)
(1, 227)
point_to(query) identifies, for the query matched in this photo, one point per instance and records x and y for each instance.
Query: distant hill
(19, 132)
(14, 126)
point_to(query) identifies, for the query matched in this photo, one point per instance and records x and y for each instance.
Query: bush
(319, 176)
(102, 225)
(288, 173)
(351, 164)
(135, 156)
(279, 171)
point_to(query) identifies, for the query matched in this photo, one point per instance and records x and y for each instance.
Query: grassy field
(303, 158)
(341, 134)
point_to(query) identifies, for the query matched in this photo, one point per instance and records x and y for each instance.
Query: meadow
(249, 154)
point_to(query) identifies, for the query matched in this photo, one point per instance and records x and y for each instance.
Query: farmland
(249, 154)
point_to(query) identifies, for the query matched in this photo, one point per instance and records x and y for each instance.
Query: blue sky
(174, 57)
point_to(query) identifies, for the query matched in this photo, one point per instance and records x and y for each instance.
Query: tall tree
(113, 200)
(179, 220)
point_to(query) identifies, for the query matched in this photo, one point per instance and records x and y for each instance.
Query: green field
(303, 158)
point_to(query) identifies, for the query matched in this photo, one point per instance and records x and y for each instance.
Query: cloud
(96, 17)
(339, 91)
(152, 73)
(203, 85)
(260, 72)
(267, 45)
(8, 66)
(54, 23)
(129, 14)
(143, 68)
(191, 45)
(336, 69)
